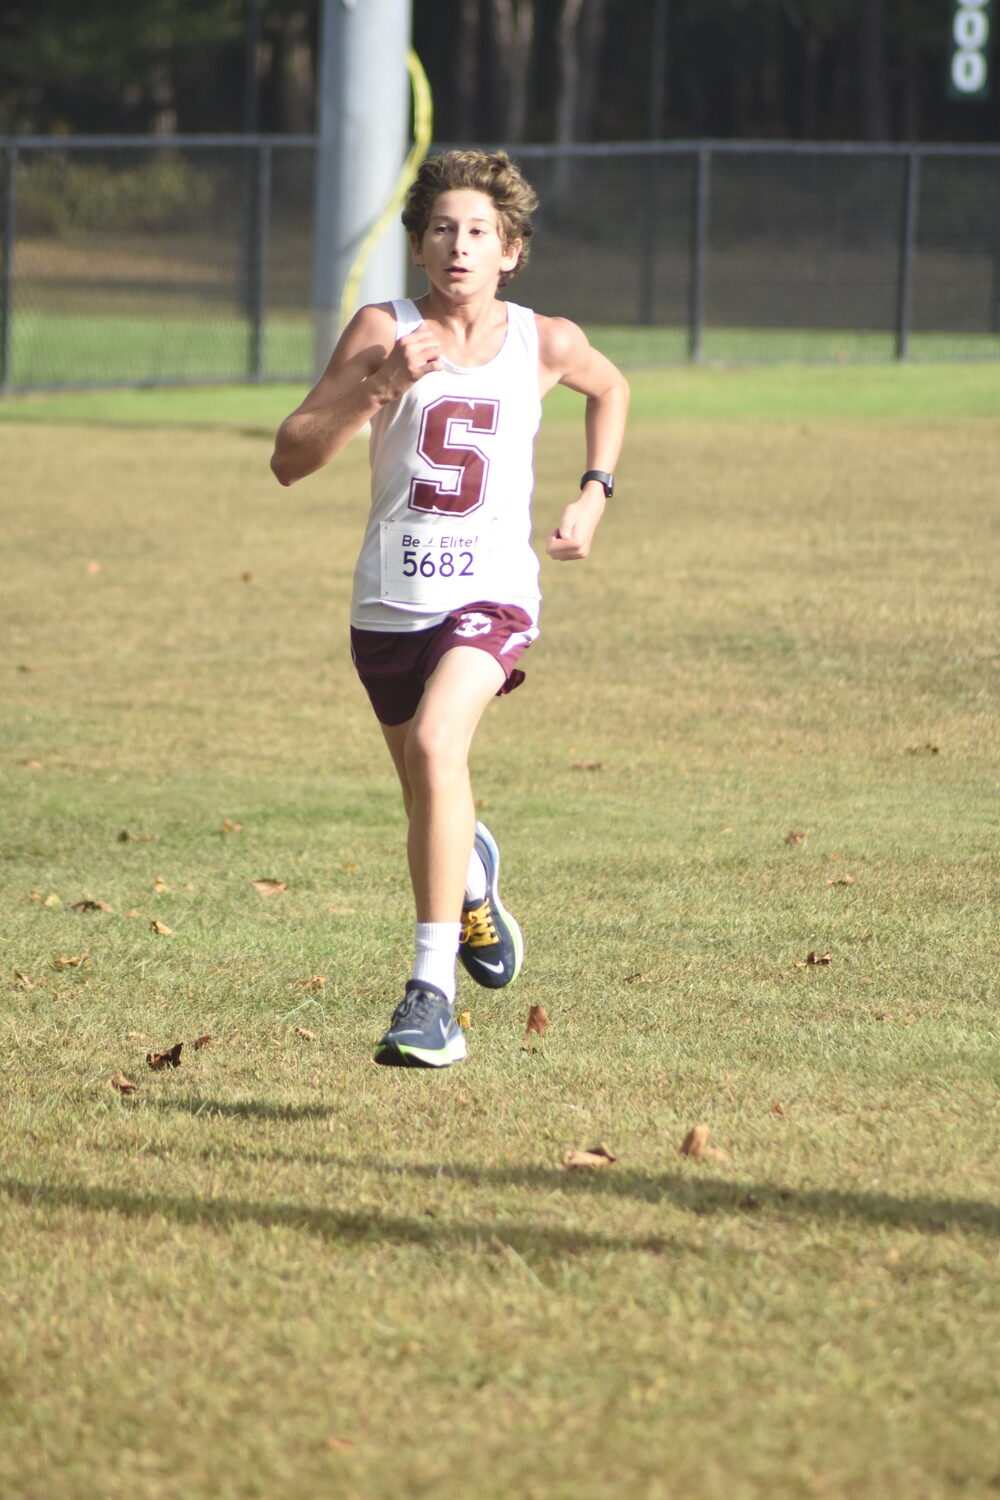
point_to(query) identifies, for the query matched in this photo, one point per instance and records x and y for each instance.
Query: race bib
(433, 567)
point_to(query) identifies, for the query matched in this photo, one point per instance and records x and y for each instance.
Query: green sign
(970, 49)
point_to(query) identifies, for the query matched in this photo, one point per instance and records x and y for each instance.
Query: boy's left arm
(568, 356)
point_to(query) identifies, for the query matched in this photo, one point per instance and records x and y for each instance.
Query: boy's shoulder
(560, 340)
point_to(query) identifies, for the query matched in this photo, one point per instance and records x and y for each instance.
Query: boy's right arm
(368, 368)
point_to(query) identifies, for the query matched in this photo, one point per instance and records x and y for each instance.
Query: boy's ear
(415, 249)
(511, 253)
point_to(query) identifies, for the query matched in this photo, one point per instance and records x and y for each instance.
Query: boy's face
(462, 248)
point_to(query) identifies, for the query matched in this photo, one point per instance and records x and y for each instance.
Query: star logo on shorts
(474, 624)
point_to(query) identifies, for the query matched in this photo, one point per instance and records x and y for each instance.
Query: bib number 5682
(445, 444)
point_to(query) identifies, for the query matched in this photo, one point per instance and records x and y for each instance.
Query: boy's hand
(570, 542)
(410, 359)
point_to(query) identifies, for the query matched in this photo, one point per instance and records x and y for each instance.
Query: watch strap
(603, 478)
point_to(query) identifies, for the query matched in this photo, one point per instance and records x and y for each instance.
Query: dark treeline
(502, 70)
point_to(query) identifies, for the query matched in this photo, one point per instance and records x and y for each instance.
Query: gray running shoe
(423, 1032)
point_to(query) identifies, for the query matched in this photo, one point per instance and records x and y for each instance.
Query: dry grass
(277, 1267)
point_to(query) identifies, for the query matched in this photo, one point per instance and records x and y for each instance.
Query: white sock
(475, 881)
(437, 945)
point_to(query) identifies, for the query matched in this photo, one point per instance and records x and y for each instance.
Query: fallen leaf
(267, 888)
(794, 837)
(927, 749)
(78, 961)
(305, 1033)
(588, 765)
(161, 928)
(841, 880)
(23, 981)
(52, 900)
(123, 1085)
(538, 1021)
(812, 957)
(228, 826)
(88, 905)
(35, 896)
(160, 885)
(695, 1144)
(247, 577)
(317, 982)
(339, 1445)
(137, 1036)
(729, 830)
(465, 1019)
(201, 1041)
(632, 978)
(777, 1108)
(159, 1060)
(33, 765)
(597, 1156)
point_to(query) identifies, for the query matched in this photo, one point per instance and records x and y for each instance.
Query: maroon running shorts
(394, 665)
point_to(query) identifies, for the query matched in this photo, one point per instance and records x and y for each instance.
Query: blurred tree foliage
(502, 70)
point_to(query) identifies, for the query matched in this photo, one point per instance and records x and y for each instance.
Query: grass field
(61, 348)
(760, 723)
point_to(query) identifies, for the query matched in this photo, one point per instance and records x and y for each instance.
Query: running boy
(446, 586)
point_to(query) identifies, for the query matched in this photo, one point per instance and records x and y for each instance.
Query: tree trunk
(872, 72)
(911, 87)
(467, 123)
(569, 72)
(162, 99)
(592, 32)
(514, 29)
(296, 82)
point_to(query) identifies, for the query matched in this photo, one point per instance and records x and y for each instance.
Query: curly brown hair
(489, 172)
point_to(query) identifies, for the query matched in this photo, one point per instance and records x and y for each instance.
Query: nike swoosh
(494, 968)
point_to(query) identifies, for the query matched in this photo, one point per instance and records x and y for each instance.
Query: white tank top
(451, 482)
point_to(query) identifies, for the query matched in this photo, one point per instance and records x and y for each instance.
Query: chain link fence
(127, 261)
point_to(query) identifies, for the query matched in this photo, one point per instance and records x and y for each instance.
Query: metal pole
(654, 130)
(261, 240)
(699, 250)
(907, 255)
(7, 272)
(362, 135)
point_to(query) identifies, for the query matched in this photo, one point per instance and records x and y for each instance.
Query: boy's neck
(472, 331)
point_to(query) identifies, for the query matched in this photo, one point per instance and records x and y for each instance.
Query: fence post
(7, 271)
(699, 246)
(907, 253)
(260, 208)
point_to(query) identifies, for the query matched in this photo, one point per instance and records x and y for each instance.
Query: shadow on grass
(243, 1109)
(683, 1190)
(331, 1224)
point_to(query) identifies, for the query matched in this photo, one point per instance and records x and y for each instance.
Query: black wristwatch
(607, 480)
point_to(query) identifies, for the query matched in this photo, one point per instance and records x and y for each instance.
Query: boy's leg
(431, 755)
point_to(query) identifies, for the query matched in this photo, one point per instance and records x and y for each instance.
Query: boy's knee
(431, 753)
